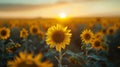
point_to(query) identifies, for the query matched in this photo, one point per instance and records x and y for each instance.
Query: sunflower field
(75, 42)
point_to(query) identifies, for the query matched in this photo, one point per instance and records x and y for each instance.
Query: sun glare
(62, 15)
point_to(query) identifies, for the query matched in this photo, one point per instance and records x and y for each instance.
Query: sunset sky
(28, 1)
(52, 8)
(34, 1)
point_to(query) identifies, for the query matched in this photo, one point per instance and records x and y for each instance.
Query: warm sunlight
(62, 15)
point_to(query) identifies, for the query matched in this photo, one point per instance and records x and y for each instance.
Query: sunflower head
(97, 44)
(28, 60)
(4, 33)
(34, 29)
(99, 35)
(90, 25)
(14, 23)
(111, 30)
(87, 36)
(104, 23)
(58, 36)
(104, 31)
(40, 35)
(23, 33)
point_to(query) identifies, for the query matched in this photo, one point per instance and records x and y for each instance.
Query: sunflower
(97, 44)
(34, 29)
(99, 35)
(111, 30)
(87, 36)
(58, 36)
(40, 35)
(104, 23)
(14, 23)
(4, 33)
(104, 31)
(117, 24)
(90, 25)
(28, 60)
(23, 33)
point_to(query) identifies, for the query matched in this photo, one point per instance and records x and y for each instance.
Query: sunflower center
(35, 30)
(3, 33)
(98, 36)
(24, 33)
(111, 31)
(25, 64)
(104, 31)
(58, 36)
(87, 36)
(97, 44)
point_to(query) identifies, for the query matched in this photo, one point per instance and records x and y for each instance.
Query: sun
(62, 15)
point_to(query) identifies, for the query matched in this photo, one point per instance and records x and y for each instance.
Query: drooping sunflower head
(23, 33)
(58, 36)
(34, 29)
(28, 60)
(111, 30)
(97, 44)
(4, 33)
(87, 36)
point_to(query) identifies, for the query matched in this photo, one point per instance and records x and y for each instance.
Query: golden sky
(34, 1)
(93, 8)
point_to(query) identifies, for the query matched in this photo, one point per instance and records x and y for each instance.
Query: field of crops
(47, 42)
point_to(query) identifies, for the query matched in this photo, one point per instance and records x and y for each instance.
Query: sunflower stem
(96, 52)
(25, 44)
(86, 52)
(60, 59)
(63, 54)
(3, 48)
(56, 58)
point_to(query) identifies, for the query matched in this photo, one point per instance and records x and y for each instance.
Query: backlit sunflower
(28, 60)
(111, 30)
(58, 37)
(4, 33)
(23, 33)
(87, 36)
(97, 44)
(34, 29)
